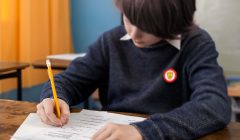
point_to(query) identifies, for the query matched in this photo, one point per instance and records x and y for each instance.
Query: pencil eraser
(48, 62)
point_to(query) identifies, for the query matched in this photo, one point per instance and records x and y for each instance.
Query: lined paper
(81, 126)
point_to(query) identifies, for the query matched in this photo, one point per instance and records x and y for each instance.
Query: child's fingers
(48, 106)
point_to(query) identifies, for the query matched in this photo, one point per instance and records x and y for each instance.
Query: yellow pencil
(50, 74)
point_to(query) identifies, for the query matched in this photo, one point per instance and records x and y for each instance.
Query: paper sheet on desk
(81, 126)
(68, 57)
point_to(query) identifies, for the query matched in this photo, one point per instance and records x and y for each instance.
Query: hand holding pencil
(45, 109)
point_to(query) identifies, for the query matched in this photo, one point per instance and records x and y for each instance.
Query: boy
(160, 63)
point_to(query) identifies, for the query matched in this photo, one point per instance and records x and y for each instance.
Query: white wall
(221, 18)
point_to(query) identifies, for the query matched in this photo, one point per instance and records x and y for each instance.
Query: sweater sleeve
(82, 77)
(208, 108)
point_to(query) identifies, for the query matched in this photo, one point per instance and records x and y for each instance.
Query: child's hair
(162, 18)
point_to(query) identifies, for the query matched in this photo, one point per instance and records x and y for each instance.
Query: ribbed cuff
(148, 130)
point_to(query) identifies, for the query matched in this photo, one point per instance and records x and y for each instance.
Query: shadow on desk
(13, 113)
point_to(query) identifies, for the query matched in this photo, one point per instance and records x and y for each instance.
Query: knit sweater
(131, 79)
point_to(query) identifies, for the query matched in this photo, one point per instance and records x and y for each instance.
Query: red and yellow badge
(170, 75)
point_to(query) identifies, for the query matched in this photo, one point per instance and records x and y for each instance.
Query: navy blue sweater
(130, 79)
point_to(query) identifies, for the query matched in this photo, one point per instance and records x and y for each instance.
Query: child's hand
(117, 132)
(46, 109)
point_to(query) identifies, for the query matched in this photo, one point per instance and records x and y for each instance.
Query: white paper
(68, 57)
(81, 126)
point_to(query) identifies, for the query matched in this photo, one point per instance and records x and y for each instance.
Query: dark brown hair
(162, 18)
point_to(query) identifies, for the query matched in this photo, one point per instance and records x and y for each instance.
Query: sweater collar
(174, 42)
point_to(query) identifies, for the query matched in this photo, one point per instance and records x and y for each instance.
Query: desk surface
(9, 66)
(56, 64)
(234, 90)
(13, 113)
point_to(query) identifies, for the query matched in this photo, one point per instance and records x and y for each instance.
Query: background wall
(89, 19)
(221, 19)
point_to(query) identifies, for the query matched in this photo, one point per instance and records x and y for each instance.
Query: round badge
(170, 75)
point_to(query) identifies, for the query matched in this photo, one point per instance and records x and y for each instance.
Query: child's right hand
(46, 109)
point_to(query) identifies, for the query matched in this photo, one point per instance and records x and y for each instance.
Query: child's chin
(140, 45)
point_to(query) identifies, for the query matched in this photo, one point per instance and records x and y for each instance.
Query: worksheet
(81, 126)
(68, 57)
